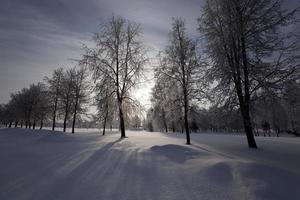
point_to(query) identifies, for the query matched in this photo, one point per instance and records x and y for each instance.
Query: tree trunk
(74, 116)
(9, 125)
(33, 125)
(65, 122)
(16, 124)
(186, 124)
(73, 123)
(173, 127)
(66, 114)
(247, 119)
(245, 111)
(122, 125)
(29, 124)
(41, 124)
(104, 122)
(21, 124)
(248, 129)
(54, 114)
(65, 119)
(103, 131)
(165, 121)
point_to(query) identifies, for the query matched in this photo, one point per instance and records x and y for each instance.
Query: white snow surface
(46, 165)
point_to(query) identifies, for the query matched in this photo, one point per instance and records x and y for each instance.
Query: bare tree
(28, 105)
(160, 103)
(2, 111)
(106, 112)
(67, 95)
(136, 122)
(40, 103)
(55, 86)
(120, 57)
(105, 102)
(181, 64)
(43, 106)
(292, 100)
(248, 50)
(81, 91)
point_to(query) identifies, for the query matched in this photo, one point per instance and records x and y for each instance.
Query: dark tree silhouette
(247, 49)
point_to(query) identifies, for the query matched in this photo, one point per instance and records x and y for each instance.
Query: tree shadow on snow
(211, 151)
(85, 175)
(271, 182)
(176, 153)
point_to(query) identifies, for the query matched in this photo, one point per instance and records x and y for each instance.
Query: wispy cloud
(37, 36)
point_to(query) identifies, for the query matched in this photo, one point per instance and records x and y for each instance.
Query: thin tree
(106, 104)
(55, 87)
(160, 103)
(67, 95)
(81, 91)
(180, 62)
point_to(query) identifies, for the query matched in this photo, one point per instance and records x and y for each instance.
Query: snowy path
(45, 165)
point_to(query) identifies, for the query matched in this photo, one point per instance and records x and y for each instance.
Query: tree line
(243, 66)
(64, 95)
(247, 61)
(104, 77)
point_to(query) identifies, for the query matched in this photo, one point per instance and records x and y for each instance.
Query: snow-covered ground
(44, 165)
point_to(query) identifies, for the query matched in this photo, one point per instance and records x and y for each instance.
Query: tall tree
(292, 99)
(119, 56)
(106, 106)
(161, 102)
(81, 91)
(248, 50)
(38, 102)
(67, 95)
(180, 62)
(105, 102)
(55, 89)
(42, 107)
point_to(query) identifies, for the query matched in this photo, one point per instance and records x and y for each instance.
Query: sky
(38, 36)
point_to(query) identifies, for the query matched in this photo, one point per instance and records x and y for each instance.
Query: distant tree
(67, 95)
(2, 116)
(166, 103)
(248, 50)
(55, 90)
(136, 122)
(119, 56)
(266, 127)
(81, 90)
(38, 103)
(29, 104)
(105, 102)
(15, 108)
(149, 120)
(42, 107)
(9, 114)
(160, 102)
(291, 96)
